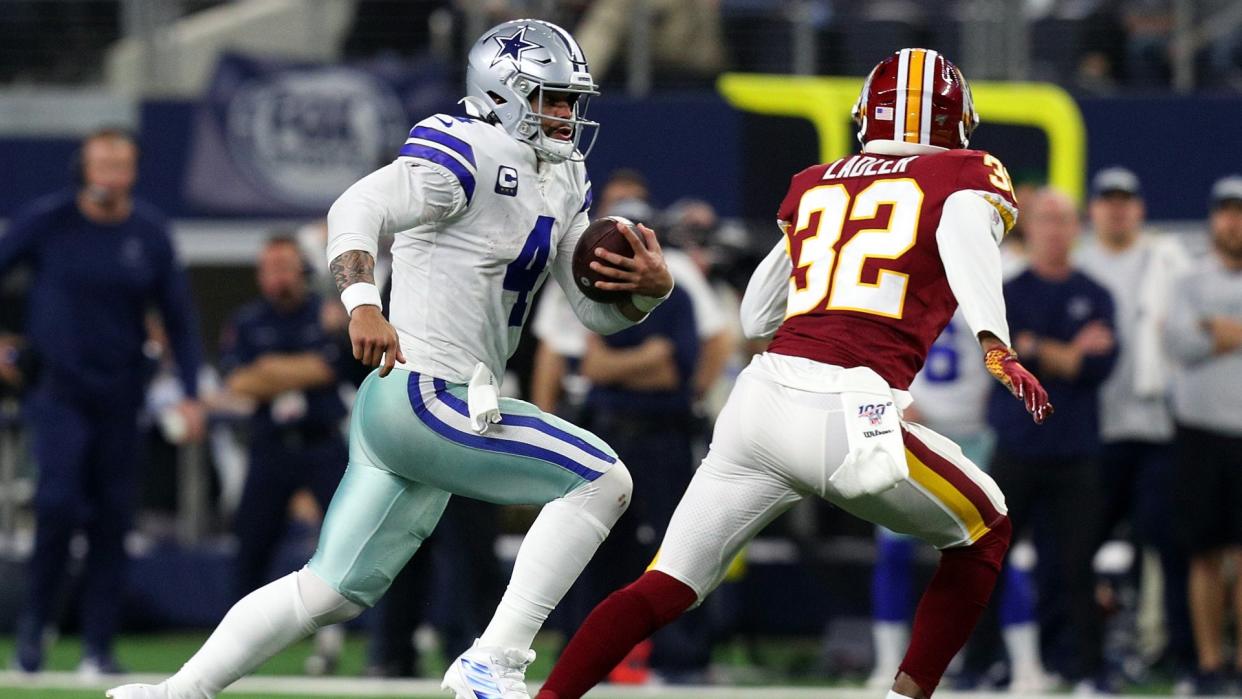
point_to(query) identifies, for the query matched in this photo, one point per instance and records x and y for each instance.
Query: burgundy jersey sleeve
(983, 173)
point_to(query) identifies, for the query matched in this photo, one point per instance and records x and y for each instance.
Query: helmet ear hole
(497, 98)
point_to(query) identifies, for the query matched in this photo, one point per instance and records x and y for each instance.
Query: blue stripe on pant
(410, 448)
(515, 434)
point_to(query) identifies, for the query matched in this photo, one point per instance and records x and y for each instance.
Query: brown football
(602, 233)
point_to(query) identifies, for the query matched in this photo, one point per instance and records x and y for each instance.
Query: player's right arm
(410, 191)
(973, 221)
(767, 293)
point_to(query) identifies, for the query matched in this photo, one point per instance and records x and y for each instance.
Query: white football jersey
(479, 222)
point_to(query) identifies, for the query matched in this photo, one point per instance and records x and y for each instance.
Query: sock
(553, 554)
(1022, 644)
(612, 629)
(894, 695)
(1017, 600)
(260, 625)
(952, 604)
(891, 639)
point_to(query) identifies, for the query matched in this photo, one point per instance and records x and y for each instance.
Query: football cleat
(489, 673)
(138, 691)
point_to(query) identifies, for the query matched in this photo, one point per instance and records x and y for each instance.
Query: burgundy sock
(952, 604)
(614, 627)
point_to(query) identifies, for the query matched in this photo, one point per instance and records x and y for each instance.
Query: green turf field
(788, 661)
(750, 672)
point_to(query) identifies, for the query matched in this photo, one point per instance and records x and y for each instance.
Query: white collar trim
(882, 146)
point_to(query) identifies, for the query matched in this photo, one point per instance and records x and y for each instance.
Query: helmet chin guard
(516, 60)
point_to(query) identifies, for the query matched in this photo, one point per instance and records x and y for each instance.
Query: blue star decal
(511, 47)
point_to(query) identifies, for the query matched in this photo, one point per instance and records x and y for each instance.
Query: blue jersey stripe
(589, 198)
(459, 406)
(477, 441)
(451, 142)
(464, 176)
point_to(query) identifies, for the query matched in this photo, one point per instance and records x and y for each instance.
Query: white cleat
(489, 673)
(138, 691)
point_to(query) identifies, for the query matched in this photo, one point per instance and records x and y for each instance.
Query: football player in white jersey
(483, 206)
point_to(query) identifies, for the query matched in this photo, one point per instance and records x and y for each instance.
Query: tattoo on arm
(353, 266)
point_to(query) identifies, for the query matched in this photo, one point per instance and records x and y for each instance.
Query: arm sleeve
(602, 318)
(1184, 335)
(967, 238)
(767, 293)
(181, 322)
(402, 194)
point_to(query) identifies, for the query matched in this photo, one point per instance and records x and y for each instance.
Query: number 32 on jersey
(824, 279)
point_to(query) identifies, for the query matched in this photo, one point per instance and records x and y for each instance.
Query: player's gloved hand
(374, 340)
(1002, 362)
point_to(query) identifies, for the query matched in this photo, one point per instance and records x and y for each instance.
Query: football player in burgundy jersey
(879, 250)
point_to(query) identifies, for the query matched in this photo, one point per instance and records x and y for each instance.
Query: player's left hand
(644, 274)
(1002, 362)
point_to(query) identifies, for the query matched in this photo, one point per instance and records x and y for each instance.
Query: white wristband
(647, 304)
(360, 294)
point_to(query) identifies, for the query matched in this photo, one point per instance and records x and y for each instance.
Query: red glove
(1002, 362)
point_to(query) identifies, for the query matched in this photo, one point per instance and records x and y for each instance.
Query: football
(602, 233)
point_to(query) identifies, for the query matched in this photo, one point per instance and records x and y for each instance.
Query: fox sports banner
(282, 138)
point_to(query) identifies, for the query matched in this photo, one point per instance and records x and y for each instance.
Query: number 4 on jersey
(523, 273)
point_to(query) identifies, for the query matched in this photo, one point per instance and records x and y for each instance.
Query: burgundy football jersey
(868, 288)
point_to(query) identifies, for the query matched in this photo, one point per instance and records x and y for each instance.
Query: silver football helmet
(515, 59)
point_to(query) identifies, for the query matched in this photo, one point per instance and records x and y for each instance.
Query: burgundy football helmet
(916, 96)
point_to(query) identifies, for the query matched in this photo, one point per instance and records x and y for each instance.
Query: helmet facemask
(535, 121)
(970, 118)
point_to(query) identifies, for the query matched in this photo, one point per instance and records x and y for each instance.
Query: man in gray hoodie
(1204, 332)
(1139, 268)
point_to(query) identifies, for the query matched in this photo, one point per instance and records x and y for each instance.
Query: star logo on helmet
(511, 47)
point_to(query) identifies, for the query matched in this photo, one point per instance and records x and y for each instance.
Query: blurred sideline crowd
(1096, 46)
(1126, 500)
